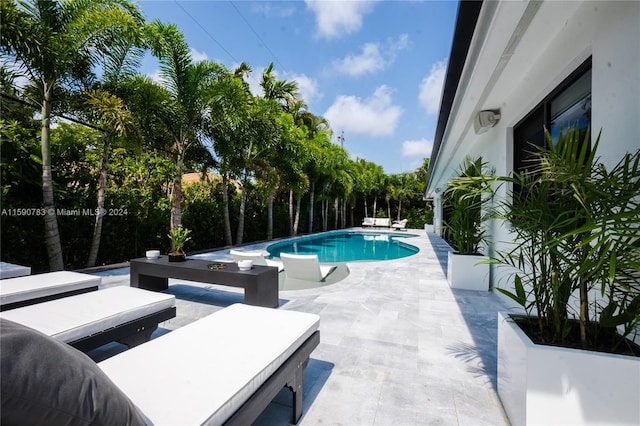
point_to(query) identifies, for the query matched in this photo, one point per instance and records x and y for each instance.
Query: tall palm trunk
(51, 233)
(272, 197)
(336, 208)
(228, 240)
(291, 212)
(311, 201)
(102, 185)
(243, 201)
(296, 221)
(176, 194)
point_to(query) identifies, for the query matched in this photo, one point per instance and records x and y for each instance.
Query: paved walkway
(398, 346)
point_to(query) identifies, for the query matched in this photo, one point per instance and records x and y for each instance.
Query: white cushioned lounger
(92, 319)
(30, 289)
(224, 368)
(10, 270)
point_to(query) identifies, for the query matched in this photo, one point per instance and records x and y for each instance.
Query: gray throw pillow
(46, 382)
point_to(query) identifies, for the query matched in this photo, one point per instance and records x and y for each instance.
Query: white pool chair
(305, 267)
(257, 257)
(10, 270)
(222, 369)
(400, 225)
(89, 320)
(32, 289)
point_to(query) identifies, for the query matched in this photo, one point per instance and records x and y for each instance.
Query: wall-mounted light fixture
(485, 120)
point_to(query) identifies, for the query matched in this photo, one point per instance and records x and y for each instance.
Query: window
(567, 105)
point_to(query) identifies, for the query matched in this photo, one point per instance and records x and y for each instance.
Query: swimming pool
(348, 246)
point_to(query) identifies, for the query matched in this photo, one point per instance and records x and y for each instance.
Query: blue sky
(374, 69)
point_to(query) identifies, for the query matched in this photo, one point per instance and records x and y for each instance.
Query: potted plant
(569, 359)
(178, 236)
(466, 199)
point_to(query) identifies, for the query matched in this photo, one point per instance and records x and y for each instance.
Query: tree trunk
(290, 212)
(344, 214)
(176, 194)
(228, 240)
(366, 210)
(296, 221)
(375, 206)
(336, 204)
(102, 185)
(311, 201)
(272, 197)
(51, 233)
(243, 200)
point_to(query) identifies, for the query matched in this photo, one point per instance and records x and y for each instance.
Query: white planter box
(465, 272)
(548, 385)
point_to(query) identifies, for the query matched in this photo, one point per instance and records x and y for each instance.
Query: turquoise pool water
(349, 246)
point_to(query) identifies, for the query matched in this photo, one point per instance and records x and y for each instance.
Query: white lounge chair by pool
(257, 257)
(400, 225)
(305, 267)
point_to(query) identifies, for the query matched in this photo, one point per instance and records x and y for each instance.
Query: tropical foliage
(106, 183)
(575, 226)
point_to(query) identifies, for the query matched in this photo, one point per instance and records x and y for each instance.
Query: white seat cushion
(42, 285)
(71, 318)
(9, 270)
(212, 365)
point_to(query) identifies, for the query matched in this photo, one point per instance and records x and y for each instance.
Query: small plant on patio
(467, 197)
(576, 228)
(178, 236)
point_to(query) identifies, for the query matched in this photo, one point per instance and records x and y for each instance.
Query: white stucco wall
(521, 52)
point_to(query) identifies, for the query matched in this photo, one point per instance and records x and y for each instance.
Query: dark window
(568, 104)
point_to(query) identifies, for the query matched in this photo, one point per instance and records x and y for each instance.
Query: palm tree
(114, 119)
(188, 84)
(55, 44)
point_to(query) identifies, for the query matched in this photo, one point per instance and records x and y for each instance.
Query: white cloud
(282, 10)
(369, 60)
(373, 116)
(421, 147)
(373, 57)
(197, 56)
(307, 87)
(337, 18)
(431, 88)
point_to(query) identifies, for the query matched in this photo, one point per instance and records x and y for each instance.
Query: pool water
(348, 246)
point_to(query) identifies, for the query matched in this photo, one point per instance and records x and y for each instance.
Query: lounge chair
(31, 289)
(305, 267)
(9, 270)
(222, 369)
(87, 321)
(257, 257)
(400, 225)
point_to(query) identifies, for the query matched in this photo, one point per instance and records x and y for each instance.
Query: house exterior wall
(521, 51)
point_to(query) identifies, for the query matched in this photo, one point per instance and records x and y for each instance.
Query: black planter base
(177, 257)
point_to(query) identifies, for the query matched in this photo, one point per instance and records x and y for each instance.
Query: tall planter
(468, 272)
(550, 385)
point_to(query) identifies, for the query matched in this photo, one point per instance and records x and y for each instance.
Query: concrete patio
(398, 346)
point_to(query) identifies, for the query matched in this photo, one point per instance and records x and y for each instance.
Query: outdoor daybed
(222, 369)
(86, 321)
(383, 222)
(31, 289)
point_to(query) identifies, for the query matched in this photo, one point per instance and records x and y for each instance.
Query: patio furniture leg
(142, 336)
(296, 390)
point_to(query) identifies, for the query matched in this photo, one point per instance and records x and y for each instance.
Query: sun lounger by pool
(30, 289)
(305, 267)
(383, 222)
(10, 270)
(257, 257)
(400, 225)
(92, 319)
(222, 369)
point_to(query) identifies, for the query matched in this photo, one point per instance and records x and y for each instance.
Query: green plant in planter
(467, 197)
(179, 237)
(576, 228)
